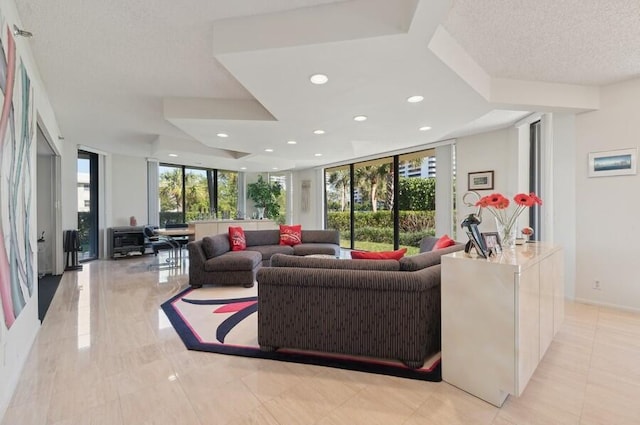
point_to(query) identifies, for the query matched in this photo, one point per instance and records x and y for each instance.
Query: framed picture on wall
(621, 162)
(481, 180)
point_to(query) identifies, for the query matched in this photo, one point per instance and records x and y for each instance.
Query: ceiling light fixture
(223, 135)
(243, 168)
(173, 155)
(292, 142)
(360, 118)
(415, 99)
(318, 79)
(318, 131)
(317, 154)
(425, 128)
(274, 168)
(268, 150)
(21, 33)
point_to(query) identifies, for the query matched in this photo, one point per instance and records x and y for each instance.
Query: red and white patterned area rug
(224, 320)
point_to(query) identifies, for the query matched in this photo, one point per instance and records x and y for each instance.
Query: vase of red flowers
(506, 218)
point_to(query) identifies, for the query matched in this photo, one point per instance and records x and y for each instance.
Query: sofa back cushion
(382, 255)
(237, 239)
(423, 260)
(262, 237)
(280, 260)
(321, 236)
(290, 235)
(215, 245)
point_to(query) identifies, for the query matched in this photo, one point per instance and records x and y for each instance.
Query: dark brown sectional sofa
(379, 308)
(211, 260)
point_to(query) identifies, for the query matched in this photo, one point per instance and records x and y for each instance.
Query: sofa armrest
(197, 259)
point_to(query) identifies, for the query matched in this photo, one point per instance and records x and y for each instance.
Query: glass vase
(507, 235)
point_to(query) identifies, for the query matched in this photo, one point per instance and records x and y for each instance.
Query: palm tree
(369, 177)
(340, 180)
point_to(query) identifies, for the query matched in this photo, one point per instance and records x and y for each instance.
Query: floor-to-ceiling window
(188, 193)
(337, 181)
(373, 205)
(171, 191)
(227, 194)
(416, 197)
(383, 204)
(283, 180)
(87, 184)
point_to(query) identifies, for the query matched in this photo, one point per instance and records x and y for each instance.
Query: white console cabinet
(204, 228)
(499, 316)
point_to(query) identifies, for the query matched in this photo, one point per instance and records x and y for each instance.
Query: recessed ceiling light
(317, 154)
(425, 128)
(318, 131)
(268, 150)
(318, 79)
(274, 168)
(360, 118)
(243, 168)
(223, 135)
(292, 142)
(173, 155)
(415, 99)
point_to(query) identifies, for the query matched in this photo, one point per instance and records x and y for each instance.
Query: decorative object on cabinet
(497, 205)
(470, 225)
(492, 242)
(621, 162)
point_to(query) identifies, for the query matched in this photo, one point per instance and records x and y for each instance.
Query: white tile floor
(106, 354)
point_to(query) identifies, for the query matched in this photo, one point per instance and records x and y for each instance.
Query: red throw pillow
(384, 255)
(290, 235)
(444, 242)
(237, 239)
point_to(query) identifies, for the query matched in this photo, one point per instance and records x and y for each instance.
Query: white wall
(128, 188)
(483, 152)
(313, 218)
(16, 342)
(563, 214)
(607, 207)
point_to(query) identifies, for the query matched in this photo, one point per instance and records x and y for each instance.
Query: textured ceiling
(592, 42)
(149, 78)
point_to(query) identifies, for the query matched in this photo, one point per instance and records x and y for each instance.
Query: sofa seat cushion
(266, 251)
(316, 248)
(234, 261)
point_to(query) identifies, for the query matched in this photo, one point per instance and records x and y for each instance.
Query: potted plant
(264, 195)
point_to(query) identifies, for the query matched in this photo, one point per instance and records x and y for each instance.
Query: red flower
(524, 200)
(496, 199)
(502, 203)
(535, 198)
